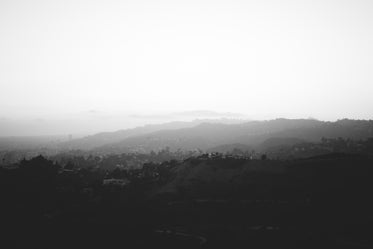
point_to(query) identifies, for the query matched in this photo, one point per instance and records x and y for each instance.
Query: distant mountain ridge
(253, 133)
(104, 138)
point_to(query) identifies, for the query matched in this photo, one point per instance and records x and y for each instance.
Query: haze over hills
(84, 123)
(30, 142)
(97, 127)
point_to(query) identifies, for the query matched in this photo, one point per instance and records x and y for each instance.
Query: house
(116, 182)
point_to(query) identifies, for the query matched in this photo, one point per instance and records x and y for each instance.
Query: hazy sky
(264, 58)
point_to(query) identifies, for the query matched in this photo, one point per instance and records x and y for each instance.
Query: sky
(67, 64)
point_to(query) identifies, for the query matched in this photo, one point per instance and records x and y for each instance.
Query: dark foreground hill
(209, 201)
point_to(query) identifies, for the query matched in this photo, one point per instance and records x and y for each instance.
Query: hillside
(219, 177)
